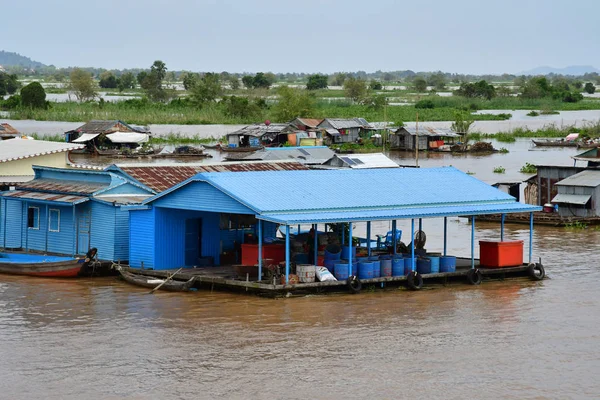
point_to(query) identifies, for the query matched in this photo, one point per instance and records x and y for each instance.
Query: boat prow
(151, 282)
(41, 265)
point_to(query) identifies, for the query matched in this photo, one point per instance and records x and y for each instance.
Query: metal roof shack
(19, 149)
(8, 132)
(162, 177)
(305, 124)
(361, 161)
(405, 138)
(587, 178)
(95, 131)
(340, 130)
(306, 155)
(592, 156)
(579, 194)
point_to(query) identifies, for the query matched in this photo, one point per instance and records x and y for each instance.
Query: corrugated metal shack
(8, 132)
(429, 138)
(94, 134)
(257, 135)
(361, 161)
(66, 211)
(306, 155)
(187, 222)
(591, 156)
(541, 188)
(339, 130)
(579, 195)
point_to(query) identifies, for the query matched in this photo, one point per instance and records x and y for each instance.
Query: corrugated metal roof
(308, 155)
(310, 122)
(106, 126)
(63, 186)
(11, 179)
(162, 177)
(341, 123)
(427, 131)
(18, 149)
(374, 160)
(398, 213)
(588, 155)
(7, 130)
(588, 178)
(124, 199)
(47, 197)
(259, 130)
(580, 199)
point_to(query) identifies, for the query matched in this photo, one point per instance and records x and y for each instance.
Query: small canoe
(41, 265)
(554, 143)
(151, 282)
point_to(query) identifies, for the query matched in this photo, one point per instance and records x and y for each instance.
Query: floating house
(258, 135)
(579, 195)
(100, 135)
(17, 157)
(339, 130)
(591, 156)
(361, 161)
(306, 155)
(8, 132)
(305, 124)
(540, 189)
(428, 138)
(191, 222)
(66, 211)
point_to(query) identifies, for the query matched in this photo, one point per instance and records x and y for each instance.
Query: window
(33, 218)
(54, 220)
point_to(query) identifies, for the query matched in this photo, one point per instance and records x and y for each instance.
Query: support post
(27, 227)
(530, 237)
(369, 238)
(502, 227)
(5, 206)
(412, 247)
(287, 254)
(343, 234)
(420, 224)
(350, 252)
(47, 228)
(75, 233)
(394, 235)
(298, 233)
(473, 242)
(260, 250)
(445, 235)
(316, 249)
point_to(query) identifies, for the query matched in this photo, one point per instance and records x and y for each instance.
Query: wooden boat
(41, 265)
(587, 145)
(239, 149)
(151, 282)
(554, 143)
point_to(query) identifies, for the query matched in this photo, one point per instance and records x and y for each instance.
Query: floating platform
(225, 278)
(539, 218)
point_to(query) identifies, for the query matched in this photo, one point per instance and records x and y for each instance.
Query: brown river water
(517, 339)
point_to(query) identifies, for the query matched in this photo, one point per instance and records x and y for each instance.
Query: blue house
(194, 218)
(68, 211)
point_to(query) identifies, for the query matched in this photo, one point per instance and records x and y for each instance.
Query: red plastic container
(500, 254)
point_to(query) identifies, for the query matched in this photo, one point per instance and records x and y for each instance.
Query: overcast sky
(469, 36)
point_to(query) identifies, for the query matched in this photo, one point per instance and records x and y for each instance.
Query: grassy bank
(590, 130)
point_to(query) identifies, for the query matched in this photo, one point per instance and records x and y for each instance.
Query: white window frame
(36, 225)
(50, 220)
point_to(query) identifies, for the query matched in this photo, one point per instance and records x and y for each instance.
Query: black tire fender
(536, 271)
(474, 276)
(414, 280)
(354, 284)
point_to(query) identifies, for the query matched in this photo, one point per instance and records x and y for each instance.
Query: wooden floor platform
(225, 278)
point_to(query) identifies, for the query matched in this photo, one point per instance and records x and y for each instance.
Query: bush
(424, 104)
(12, 103)
(528, 169)
(33, 96)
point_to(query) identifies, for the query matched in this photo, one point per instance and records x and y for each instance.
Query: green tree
(293, 103)
(82, 85)
(189, 80)
(33, 96)
(375, 85)
(241, 107)
(108, 80)
(316, 81)
(8, 83)
(355, 89)
(234, 82)
(126, 81)
(141, 76)
(339, 78)
(461, 125)
(589, 88)
(152, 83)
(420, 84)
(248, 81)
(207, 89)
(438, 81)
(376, 102)
(261, 80)
(479, 89)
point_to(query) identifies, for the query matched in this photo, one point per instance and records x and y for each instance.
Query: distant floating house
(361, 161)
(428, 138)
(67, 211)
(540, 189)
(305, 124)
(591, 156)
(579, 195)
(306, 155)
(8, 132)
(258, 135)
(339, 130)
(18, 156)
(99, 134)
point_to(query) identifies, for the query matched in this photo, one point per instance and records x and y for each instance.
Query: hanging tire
(474, 276)
(354, 284)
(536, 271)
(414, 280)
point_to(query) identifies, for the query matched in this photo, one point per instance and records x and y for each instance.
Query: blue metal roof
(359, 195)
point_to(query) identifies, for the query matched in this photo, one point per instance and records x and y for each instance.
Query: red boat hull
(62, 269)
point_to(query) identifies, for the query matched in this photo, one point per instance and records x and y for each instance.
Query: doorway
(193, 241)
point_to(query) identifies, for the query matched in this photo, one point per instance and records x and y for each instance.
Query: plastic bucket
(435, 264)
(306, 273)
(424, 266)
(376, 269)
(447, 264)
(407, 265)
(346, 252)
(365, 270)
(341, 272)
(333, 252)
(398, 267)
(386, 267)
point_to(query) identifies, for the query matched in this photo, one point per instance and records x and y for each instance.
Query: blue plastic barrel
(376, 269)
(386, 267)
(447, 264)
(424, 265)
(329, 264)
(341, 272)
(301, 258)
(407, 265)
(346, 252)
(435, 264)
(332, 252)
(354, 265)
(398, 267)
(385, 257)
(365, 270)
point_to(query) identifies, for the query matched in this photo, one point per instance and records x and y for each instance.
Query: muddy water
(100, 338)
